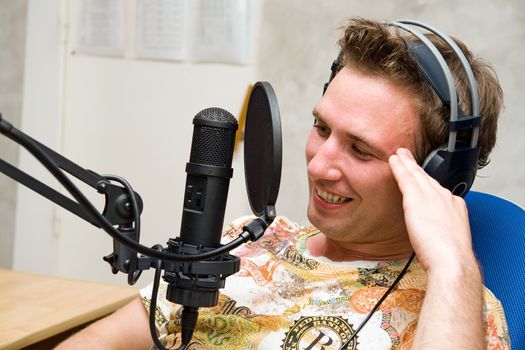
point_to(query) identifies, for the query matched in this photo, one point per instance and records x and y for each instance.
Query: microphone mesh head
(213, 138)
(216, 114)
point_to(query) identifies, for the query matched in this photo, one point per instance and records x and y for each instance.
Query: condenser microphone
(196, 284)
(208, 177)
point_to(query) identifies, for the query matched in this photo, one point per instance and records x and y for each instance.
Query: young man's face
(360, 121)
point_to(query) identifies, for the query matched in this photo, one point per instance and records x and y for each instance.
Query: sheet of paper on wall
(219, 31)
(100, 27)
(161, 29)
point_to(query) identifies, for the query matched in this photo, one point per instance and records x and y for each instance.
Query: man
(372, 206)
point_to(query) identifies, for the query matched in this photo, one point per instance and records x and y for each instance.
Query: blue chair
(498, 235)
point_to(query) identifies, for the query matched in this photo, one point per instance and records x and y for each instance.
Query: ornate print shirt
(284, 298)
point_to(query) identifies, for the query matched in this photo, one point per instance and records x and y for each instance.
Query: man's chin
(331, 227)
(311, 215)
(319, 221)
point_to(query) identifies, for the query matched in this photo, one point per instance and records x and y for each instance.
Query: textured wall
(298, 44)
(13, 15)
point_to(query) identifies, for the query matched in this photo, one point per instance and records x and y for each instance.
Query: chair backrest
(498, 236)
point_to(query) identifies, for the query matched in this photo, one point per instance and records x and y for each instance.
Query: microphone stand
(117, 209)
(193, 273)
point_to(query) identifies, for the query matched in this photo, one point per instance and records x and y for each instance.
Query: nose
(325, 160)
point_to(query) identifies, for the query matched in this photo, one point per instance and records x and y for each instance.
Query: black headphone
(454, 164)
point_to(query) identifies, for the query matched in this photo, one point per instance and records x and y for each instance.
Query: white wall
(35, 244)
(13, 19)
(133, 117)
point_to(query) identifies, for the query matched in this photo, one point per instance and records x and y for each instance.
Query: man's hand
(437, 225)
(436, 220)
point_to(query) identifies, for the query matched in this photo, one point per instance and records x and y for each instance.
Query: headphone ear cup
(454, 170)
(433, 165)
(429, 157)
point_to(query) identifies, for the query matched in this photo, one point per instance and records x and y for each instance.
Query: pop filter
(262, 149)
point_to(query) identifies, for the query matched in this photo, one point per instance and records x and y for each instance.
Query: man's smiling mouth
(331, 198)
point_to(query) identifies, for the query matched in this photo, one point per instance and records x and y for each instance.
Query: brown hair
(376, 48)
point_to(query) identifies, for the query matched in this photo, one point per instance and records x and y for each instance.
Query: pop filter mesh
(259, 150)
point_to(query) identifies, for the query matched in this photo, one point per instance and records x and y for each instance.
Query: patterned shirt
(285, 298)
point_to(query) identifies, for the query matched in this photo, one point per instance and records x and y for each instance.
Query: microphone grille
(213, 138)
(216, 114)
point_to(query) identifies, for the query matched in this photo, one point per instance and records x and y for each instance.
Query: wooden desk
(35, 307)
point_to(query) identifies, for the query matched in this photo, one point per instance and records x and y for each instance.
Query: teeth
(331, 198)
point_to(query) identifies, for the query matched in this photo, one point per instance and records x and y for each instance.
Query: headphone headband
(464, 62)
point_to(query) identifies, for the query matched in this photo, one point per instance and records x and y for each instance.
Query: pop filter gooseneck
(263, 150)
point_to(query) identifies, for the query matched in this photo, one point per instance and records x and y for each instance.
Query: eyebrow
(378, 151)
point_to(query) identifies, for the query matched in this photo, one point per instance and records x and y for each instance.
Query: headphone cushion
(454, 170)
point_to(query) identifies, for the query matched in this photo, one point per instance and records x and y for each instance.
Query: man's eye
(321, 129)
(360, 153)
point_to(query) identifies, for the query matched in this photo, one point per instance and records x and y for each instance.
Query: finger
(424, 180)
(404, 177)
(422, 175)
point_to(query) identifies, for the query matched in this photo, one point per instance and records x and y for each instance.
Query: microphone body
(208, 177)
(209, 171)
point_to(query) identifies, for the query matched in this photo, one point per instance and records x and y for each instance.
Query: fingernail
(404, 152)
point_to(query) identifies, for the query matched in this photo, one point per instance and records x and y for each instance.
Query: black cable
(153, 304)
(153, 307)
(379, 302)
(133, 199)
(133, 273)
(90, 210)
